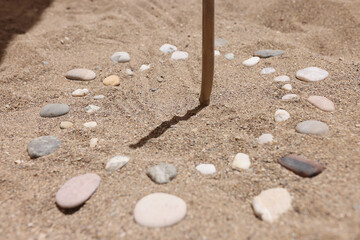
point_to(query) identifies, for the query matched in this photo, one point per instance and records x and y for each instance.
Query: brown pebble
(112, 80)
(301, 165)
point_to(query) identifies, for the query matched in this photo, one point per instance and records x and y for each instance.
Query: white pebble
(93, 142)
(168, 48)
(90, 124)
(312, 74)
(251, 61)
(98, 97)
(217, 53)
(129, 72)
(80, 92)
(120, 57)
(229, 56)
(267, 70)
(282, 78)
(206, 168)
(290, 97)
(91, 108)
(241, 161)
(116, 163)
(281, 115)
(287, 87)
(179, 55)
(265, 138)
(144, 67)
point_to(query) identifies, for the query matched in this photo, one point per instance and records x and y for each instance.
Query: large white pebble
(120, 57)
(312, 74)
(281, 115)
(265, 138)
(168, 48)
(116, 163)
(241, 161)
(80, 74)
(179, 55)
(206, 168)
(159, 210)
(251, 61)
(271, 203)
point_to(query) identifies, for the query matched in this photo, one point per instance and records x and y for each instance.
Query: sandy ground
(153, 127)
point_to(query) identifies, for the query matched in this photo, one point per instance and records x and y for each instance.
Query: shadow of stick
(159, 130)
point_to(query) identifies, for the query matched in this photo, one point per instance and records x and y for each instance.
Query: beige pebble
(93, 142)
(112, 80)
(66, 124)
(322, 103)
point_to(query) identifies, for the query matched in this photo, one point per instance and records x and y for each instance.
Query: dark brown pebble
(301, 165)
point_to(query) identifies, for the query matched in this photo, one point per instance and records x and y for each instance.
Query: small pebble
(129, 72)
(91, 108)
(43, 146)
(80, 74)
(251, 61)
(312, 127)
(116, 163)
(265, 138)
(93, 142)
(267, 70)
(66, 124)
(220, 42)
(291, 97)
(98, 97)
(229, 56)
(54, 110)
(77, 190)
(281, 115)
(144, 67)
(159, 210)
(168, 48)
(312, 74)
(217, 53)
(301, 165)
(120, 57)
(162, 173)
(322, 103)
(241, 161)
(80, 92)
(46, 63)
(112, 80)
(266, 53)
(179, 55)
(271, 203)
(90, 124)
(282, 78)
(287, 87)
(206, 168)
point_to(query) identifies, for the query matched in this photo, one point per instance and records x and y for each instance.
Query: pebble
(281, 115)
(144, 67)
(93, 142)
(206, 168)
(116, 163)
(241, 161)
(91, 108)
(267, 70)
(282, 78)
(265, 53)
(312, 74)
(301, 165)
(179, 55)
(271, 203)
(220, 42)
(312, 127)
(265, 138)
(80, 92)
(291, 97)
(98, 97)
(322, 103)
(54, 110)
(287, 87)
(159, 210)
(120, 57)
(66, 124)
(112, 80)
(168, 48)
(90, 124)
(251, 61)
(162, 173)
(229, 56)
(217, 53)
(129, 72)
(77, 190)
(43, 146)
(80, 74)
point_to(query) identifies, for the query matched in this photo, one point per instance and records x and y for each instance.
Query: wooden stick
(207, 51)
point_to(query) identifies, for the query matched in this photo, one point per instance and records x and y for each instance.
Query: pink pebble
(322, 103)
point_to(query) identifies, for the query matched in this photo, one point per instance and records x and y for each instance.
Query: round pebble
(66, 124)
(268, 70)
(271, 203)
(90, 124)
(287, 87)
(43, 146)
(112, 80)
(266, 53)
(220, 42)
(54, 110)
(312, 127)
(312, 74)
(241, 161)
(282, 78)
(229, 56)
(251, 61)
(179, 55)
(98, 97)
(162, 173)
(322, 103)
(91, 108)
(265, 138)
(206, 168)
(120, 57)
(168, 48)
(77, 190)
(291, 97)
(80, 74)
(144, 67)
(116, 163)
(80, 92)
(281, 115)
(159, 210)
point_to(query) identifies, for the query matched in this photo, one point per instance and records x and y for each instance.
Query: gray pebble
(120, 57)
(220, 42)
(312, 127)
(54, 110)
(265, 53)
(162, 173)
(43, 146)
(229, 56)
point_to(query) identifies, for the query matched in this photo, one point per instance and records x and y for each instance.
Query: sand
(165, 125)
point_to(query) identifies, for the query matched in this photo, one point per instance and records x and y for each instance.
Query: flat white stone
(93, 142)
(268, 70)
(282, 78)
(241, 161)
(217, 53)
(229, 56)
(159, 210)
(129, 72)
(281, 115)
(90, 124)
(116, 163)
(80, 92)
(322, 103)
(287, 87)
(290, 97)
(168, 48)
(98, 97)
(251, 61)
(120, 57)
(271, 203)
(312, 74)
(91, 108)
(179, 55)
(206, 168)
(144, 67)
(265, 138)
